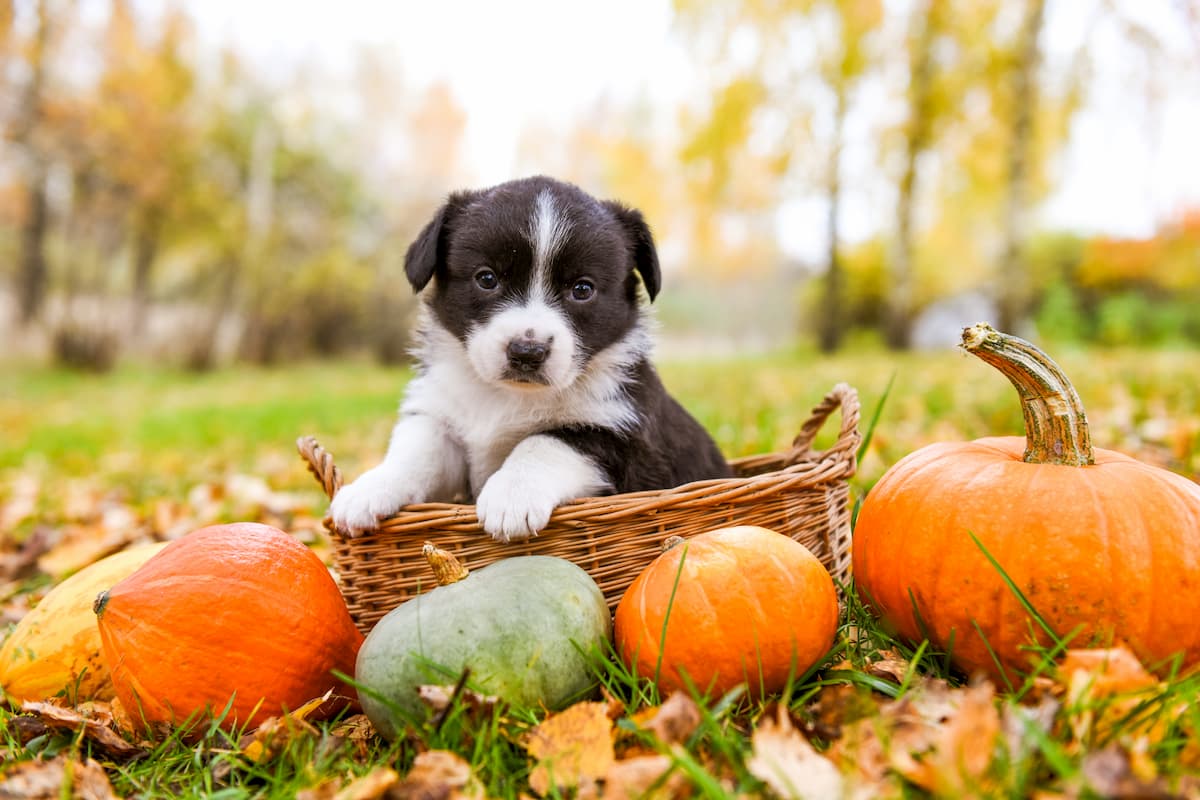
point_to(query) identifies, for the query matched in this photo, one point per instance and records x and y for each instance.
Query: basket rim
(801, 465)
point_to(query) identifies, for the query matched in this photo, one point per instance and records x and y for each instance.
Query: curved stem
(1056, 429)
(446, 568)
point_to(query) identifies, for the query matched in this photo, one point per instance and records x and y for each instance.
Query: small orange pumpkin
(735, 605)
(240, 610)
(1097, 542)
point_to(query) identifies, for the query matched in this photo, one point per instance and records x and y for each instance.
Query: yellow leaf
(573, 748)
(784, 760)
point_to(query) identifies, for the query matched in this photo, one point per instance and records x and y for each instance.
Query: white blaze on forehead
(548, 230)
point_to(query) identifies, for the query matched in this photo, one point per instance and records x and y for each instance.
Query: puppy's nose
(527, 355)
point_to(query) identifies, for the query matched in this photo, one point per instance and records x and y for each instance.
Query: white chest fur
(488, 420)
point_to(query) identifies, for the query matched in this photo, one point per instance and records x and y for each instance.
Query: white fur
(487, 345)
(548, 230)
(540, 473)
(423, 462)
(459, 427)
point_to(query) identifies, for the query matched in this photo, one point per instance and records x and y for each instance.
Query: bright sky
(520, 62)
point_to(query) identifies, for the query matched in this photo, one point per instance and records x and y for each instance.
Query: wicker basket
(802, 493)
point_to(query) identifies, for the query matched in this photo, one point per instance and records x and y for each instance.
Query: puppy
(534, 384)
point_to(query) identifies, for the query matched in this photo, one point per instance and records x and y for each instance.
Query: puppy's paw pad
(511, 510)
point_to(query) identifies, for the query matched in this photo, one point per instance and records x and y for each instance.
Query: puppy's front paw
(360, 506)
(512, 507)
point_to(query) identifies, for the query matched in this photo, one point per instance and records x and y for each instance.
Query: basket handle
(320, 464)
(843, 396)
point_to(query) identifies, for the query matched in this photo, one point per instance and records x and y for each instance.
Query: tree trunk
(32, 274)
(830, 337)
(1013, 275)
(145, 252)
(898, 325)
(32, 271)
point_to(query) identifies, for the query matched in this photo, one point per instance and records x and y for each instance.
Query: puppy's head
(534, 277)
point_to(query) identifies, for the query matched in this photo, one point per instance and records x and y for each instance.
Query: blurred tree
(24, 131)
(141, 135)
(926, 106)
(1013, 275)
(766, 110)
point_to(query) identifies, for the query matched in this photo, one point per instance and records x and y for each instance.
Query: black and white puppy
(534, 384)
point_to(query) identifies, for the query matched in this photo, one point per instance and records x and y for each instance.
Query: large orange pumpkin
(1102, 546)
(736, 605)
(241, 611)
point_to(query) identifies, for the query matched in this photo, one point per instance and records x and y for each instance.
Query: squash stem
(1056, 429)
(446, 568)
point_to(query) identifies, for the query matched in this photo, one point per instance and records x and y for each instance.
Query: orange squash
(735, 605)
(241, 611)
(1101, 545)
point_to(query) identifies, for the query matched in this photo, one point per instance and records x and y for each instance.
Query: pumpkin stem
(1056, 429)
(446, 568)
(100, 603)
(672, 541)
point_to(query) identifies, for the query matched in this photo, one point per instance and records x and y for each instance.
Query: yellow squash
(56, 646)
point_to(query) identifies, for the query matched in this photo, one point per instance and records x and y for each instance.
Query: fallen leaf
(573, 748)
(21, 563)
(784, 760)
(355, 728)
(49, 780)
(440, 774)
(1109, 773)
(648, 777)
(373, 785)
(890, 667)
(274, 734)
(1108, 672)
(1105, 689)
(438, 698)
(949, 744)
(675, 720)
(98, 731)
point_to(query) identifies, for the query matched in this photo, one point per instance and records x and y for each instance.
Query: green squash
(522, 626)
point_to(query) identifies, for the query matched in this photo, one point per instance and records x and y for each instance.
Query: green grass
(153, 433)
(149, 435)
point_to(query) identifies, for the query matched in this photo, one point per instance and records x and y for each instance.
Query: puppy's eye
(486, 279)
(583, 290)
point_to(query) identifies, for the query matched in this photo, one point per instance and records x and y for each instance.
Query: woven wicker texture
(801, 493)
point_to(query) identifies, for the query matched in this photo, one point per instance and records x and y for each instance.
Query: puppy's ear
(427, 254)
(645, 255)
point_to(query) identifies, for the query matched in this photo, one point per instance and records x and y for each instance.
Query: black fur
(672, 450)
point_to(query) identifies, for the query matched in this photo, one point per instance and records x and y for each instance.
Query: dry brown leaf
(1110, 773)
(644, 777)
(20, 564)
(1112, 671)
(48, 780)
(673, 721)
(372, 786)
(82, 545)
(355, 728)
(274, 734)
(97, 730)
(440, 774)
(838, 706)
(574, 748)
(438, 698)
(1104, 687)
(784, 760)
(949, 745)
(890, 667)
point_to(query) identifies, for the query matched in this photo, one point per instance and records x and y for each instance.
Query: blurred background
(210, 182)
